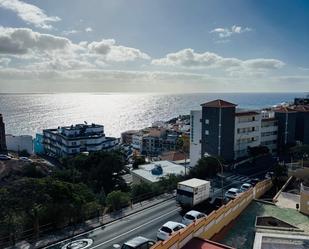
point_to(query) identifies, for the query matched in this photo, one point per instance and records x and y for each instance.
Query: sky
(172, 46)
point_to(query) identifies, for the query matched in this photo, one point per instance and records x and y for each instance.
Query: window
(206, 121)
(207, 132)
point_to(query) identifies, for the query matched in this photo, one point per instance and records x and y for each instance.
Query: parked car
(25, 159)
(4, 157)
(245, 187)
(137, 243)
(168, 229)
(192, 216)
(232, 193)
(254, 181)
(269, 175)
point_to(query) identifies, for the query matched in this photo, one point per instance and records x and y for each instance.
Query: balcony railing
(304, 188)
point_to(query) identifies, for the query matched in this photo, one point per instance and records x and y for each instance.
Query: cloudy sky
(154, 46)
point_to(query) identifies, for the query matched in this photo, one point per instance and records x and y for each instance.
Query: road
(145, 223)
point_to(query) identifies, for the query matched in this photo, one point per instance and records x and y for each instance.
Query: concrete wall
(19, 143)
(304, 199)
(195, 137)
(206, 228)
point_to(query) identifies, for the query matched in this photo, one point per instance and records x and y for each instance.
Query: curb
(102, 225)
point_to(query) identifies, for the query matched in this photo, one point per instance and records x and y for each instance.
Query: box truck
(192, 192)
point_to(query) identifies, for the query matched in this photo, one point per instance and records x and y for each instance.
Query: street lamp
(221, 166)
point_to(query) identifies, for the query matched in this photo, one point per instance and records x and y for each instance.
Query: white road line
(100, 227)
(136, 228)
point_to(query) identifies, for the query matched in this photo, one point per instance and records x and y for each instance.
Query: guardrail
(206, 228)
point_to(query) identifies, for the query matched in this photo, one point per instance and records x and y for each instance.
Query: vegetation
(138, 160)
(206, 167)
(300, 151)
(23, 153)
(280, 175)
(117, 200)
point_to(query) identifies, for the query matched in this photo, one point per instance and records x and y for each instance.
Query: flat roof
(168, 168)
(241, 232)
(194, 182)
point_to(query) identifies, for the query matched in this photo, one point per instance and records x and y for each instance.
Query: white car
(245, 187)
(4, 157)
(137, 243)
(232, 193)
(168, 229)
(192, 216)
(25, 159)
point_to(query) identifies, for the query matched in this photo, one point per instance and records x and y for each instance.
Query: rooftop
(198, 243)
(194, 182)
(145, 170)
(219, 103)
(241, 232)
(245, 113)
(284, 109)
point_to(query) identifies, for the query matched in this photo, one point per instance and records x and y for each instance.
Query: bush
(117, 200)
(23, 153)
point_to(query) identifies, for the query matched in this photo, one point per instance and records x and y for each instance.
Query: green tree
(280, 175)
(117, 200)
(139, 191)
(206, 167)
(138, 160)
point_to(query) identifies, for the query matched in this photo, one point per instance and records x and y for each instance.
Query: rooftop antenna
(85, 122)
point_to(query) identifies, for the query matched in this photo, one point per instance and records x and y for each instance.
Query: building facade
(3, 148)
(218, 128)
(247, 132)
(72, 140)
(269, 134)
(195, 137)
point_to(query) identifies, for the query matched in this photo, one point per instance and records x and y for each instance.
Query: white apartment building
(195, 136)
(71, 140)
(137, 141)
(269, 134)
(247, 132)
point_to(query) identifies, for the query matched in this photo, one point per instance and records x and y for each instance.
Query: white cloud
(109, 51)
(70, 32)
(89, 29)
(187, 58)
(29, 13)
(4, 62)
(227, 32)
(24, 40)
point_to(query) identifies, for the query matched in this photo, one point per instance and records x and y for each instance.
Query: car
(25, 159)
(192, 216)
(232, 193)
(137, 243)
(168, 229)
(4, 157)
(245, 187)
(254, 181)
(269, 175)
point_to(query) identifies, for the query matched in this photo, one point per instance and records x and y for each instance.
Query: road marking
(136, 228)
(103, 225)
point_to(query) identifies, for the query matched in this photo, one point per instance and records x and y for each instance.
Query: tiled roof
(284, 109)
(173, 156)
(302, 108)
(218, 103)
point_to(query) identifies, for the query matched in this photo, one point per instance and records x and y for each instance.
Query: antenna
(85, 122)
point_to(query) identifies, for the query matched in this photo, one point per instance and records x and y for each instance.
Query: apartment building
(195, 136)
(247, 132)
(71, 140)
(2, 136)
(221, 129)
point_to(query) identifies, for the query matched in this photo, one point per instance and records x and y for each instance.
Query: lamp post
(221, 166)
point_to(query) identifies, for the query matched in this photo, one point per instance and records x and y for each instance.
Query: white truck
(192, 192)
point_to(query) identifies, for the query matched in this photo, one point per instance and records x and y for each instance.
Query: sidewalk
(70, 232)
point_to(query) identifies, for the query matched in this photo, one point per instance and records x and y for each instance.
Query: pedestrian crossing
(237, 178)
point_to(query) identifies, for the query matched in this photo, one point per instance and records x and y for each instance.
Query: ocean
(27, 114)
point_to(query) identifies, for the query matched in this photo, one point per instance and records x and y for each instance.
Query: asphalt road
(145, 224)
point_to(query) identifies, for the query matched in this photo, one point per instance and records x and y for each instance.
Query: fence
(206, 228)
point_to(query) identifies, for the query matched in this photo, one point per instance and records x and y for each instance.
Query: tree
(279, 176)
(117, 200)
(206, 167)
(139, 191)
(138, 160)
(23, 153)
(257, 150)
